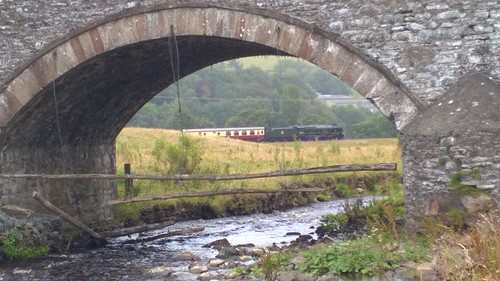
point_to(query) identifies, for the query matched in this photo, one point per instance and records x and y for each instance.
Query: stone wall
(84, 199)
(435, 165)
(428, 45)
(451, 154)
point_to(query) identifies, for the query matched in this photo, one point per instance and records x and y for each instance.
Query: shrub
(362, 256)
(332, 223)
(182, 157)
(271, 264)
(14, 248)
(335, 148)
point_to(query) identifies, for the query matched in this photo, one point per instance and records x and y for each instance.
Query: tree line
(232, 94)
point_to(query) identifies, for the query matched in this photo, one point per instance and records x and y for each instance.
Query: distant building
(341, 100)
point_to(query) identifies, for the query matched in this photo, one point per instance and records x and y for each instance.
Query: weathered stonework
(428, 45)
(83, 198)
(457, 139)
(430, 162)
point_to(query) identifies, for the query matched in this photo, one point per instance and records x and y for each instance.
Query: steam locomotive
(280, 134)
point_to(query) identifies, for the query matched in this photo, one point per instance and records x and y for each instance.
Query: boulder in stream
(187, 256)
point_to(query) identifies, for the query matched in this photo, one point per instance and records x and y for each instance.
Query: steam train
(281, 134)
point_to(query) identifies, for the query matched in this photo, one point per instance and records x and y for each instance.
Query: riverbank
(236, 205)
(157, 260)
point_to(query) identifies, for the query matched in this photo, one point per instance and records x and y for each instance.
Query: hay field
(135, 146)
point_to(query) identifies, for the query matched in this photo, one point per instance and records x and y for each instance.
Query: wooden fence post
(128, 181)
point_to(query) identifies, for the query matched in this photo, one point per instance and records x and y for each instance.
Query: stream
(148, 260)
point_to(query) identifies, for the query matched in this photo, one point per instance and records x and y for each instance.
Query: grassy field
(225, 156)
(135, 146)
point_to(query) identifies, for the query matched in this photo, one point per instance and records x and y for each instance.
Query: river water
(147, 260)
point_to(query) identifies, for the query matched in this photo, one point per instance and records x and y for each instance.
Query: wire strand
(175, 67)
(173, 48)
(58, 125)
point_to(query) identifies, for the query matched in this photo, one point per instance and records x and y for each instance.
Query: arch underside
(91, 103)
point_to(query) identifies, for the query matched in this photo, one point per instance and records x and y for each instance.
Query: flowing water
(147, 260)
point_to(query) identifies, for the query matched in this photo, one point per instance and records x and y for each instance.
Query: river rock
(218, 244)
(304, 238)
(207, 276)
(298, 260)
(292, 233)
(426, 271)
(161, 271)
(17, 212)
(324, 240)
(216, 262)
(245, 258)
(198, 268)
(256, 252)
(248, 245)
(229, 265)
(295, 276)
(329, 277)
(227, 251)
(187, 256)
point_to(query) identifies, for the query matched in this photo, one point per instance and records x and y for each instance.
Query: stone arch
(289, 36)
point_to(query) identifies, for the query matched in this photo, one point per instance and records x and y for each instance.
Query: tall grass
(473, 255)
(152, 151)
(243, 156)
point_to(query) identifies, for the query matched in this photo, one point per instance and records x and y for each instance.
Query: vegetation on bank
(468, 253)
(14, 247)
(384, 247)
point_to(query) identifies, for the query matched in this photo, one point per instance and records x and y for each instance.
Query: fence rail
(211, 177)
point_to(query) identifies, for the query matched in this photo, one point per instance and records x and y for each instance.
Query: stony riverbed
(161, 259)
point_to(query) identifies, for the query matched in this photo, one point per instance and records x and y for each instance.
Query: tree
(230, 94)
(376, 127)
(290, 104)
(251, 118)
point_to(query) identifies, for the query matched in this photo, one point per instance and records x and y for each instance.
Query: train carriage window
(243, 133)
(204, 134)
(261, 132)
(228, 133)
(252, 132)
(218, 133)
(199, 133)
(236, 133)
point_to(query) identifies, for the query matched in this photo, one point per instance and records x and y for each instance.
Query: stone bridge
(72, 73)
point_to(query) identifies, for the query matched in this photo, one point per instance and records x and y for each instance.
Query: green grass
(385, 248)
(15, 248)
